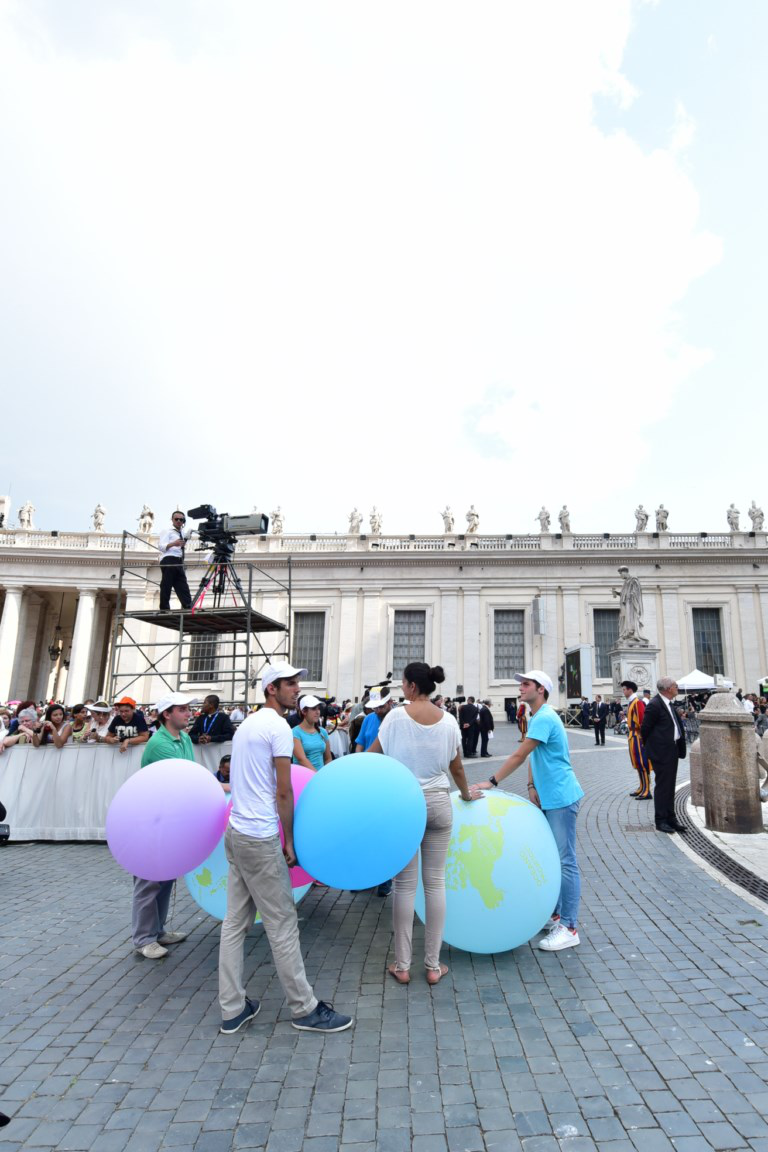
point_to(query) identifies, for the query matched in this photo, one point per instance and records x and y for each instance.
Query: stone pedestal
(637, 664)
(729, 767)
(697, 775)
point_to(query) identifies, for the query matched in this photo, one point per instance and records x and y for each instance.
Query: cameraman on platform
(171, 543)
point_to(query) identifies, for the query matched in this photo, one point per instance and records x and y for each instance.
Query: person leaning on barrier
(129, 727)
(212, 726)
(101, 718)
(54, 729)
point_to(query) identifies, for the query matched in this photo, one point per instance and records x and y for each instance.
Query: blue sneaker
(252, 1008)
(323, 1019)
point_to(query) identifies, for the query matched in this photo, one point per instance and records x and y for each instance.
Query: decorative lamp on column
(56, 648)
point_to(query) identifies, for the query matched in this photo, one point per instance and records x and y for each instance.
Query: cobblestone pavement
(650, 1036)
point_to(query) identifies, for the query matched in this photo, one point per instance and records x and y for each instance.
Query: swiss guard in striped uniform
(637, 754)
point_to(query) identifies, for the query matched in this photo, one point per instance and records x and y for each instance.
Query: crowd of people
(597, 714)
(122, 724)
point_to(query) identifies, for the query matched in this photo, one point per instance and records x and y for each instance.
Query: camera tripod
(220, 576)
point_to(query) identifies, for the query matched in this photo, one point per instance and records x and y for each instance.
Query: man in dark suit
(664, 741)
(599, 715)
(485, 722)
(211, 726)
(469, 729)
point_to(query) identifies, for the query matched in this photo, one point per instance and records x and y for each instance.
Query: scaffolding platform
(209, 621)
(216, 649)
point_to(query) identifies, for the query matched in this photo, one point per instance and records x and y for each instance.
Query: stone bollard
(729, 767)
(697, 776)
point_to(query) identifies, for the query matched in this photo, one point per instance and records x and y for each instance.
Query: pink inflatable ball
(166, 819)
(300, 777)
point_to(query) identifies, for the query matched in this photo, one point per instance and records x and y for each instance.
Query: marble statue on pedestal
(661, 518)
(732, 516)
(375, 521)
(447, 516)
(630, 630)
(543, 519)
(641, 519)
(473, 520)
(277, 522)
(98, 515)
(564, 517)
(26, 512)
(355, 522)
(756, 516)
(146, 521)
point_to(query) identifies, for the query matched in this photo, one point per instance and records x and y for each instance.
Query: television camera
(218, 531)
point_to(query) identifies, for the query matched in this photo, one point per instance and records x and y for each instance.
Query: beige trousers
(259, 878)
(434, 851)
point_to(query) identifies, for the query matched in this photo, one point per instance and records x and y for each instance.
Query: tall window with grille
(708, 641)
(508, 642)
(409, 639)
(307, 643)
(203, 666)
(606, 625)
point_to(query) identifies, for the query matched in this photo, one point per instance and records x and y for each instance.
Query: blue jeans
(562, 821)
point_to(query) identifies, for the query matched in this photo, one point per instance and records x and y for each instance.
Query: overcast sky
(329, 254)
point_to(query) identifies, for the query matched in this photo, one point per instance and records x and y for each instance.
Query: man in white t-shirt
(260, 777)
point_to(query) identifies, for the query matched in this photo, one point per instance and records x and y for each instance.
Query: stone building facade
(361, 606)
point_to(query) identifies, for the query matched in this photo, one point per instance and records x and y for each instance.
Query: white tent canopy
(697, 681)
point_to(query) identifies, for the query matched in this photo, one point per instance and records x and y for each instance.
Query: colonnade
(28, 628)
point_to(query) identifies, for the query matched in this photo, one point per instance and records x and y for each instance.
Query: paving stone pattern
(650, 1036)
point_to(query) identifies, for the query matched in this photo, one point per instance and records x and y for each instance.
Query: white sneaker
(172, 937)
(560, 937)
(153, 951)
(551, 923)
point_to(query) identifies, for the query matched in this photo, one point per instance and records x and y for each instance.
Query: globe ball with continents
(207, 884)
(502, 876)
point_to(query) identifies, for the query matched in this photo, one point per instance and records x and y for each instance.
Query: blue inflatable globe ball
(207, 884)
(359, 821)
(502, 876)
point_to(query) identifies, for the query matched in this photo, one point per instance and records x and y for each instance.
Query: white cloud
(386, 248)
(683, 130)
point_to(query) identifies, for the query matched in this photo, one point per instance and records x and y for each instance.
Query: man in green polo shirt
(170, 741)
(151, 898)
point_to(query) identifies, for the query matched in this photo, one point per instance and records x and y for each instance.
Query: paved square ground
(650, 1036)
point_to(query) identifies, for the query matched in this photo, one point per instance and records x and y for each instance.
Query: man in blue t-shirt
(552, 785)
(377, 706)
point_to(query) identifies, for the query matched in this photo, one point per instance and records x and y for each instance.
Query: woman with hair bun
(428, 741)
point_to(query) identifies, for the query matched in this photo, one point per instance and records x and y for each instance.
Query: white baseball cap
(378, 699)
(537, 675)
(174, 700)
(281, 672)
(309, 702)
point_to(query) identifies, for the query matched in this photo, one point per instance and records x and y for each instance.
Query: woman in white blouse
(428, 741)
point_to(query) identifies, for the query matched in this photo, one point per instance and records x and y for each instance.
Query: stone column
(729, 767)
(9, 633)
(79, 661)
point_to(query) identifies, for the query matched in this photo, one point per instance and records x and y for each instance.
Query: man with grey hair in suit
(664, 741)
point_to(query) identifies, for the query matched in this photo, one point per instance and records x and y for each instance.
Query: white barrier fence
(64, 793)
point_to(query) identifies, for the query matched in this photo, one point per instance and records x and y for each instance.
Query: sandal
(400, 974)
(435, 975)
